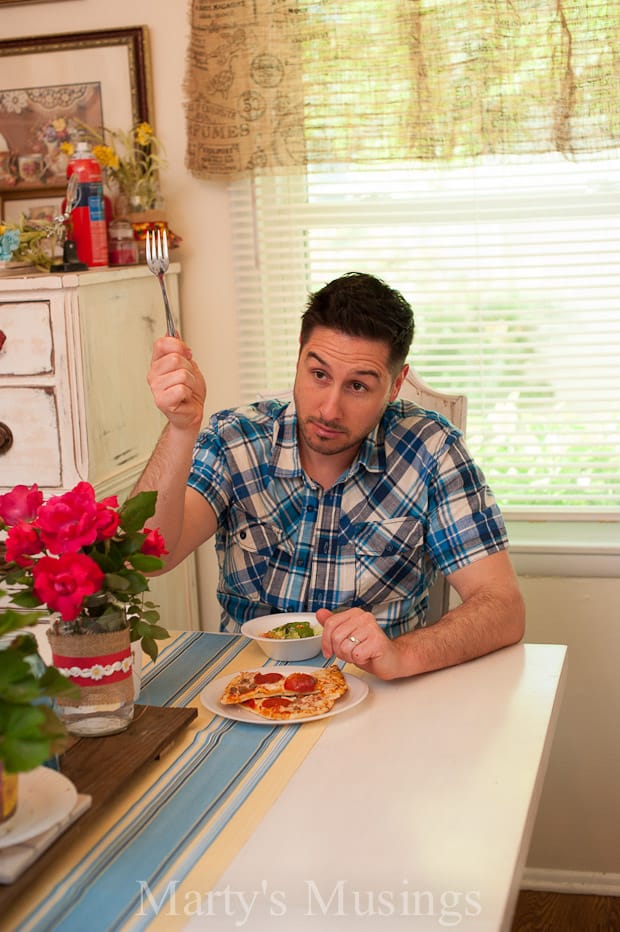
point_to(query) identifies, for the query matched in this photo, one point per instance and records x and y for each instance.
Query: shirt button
(300, 562)
(325, 547)
(310, 508)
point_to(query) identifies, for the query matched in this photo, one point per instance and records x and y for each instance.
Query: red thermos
(88, 216)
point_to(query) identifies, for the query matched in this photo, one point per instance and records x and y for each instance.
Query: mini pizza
(253, 685)
(281, 708)
(328, 684)
(332, 683)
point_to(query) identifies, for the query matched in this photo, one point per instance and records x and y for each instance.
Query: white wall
(577, 826)
(577, 829)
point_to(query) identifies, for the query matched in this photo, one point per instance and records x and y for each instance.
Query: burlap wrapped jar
(101, 666)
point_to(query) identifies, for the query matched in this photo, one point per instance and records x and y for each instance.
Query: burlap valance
(274, 84)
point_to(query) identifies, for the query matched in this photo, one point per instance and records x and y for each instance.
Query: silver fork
(158, 262)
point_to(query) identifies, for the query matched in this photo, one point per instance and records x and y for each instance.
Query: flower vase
(100, 664)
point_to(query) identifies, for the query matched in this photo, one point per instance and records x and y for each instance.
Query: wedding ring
(353, 639)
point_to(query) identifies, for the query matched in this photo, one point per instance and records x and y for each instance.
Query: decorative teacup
(31, 166)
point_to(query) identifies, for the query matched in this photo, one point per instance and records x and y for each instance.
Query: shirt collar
(285, 453)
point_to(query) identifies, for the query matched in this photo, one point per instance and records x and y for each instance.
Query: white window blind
(512, 267)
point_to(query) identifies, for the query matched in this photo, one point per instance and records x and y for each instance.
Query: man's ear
(398, 381)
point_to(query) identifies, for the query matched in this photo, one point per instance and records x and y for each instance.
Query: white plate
(210, 697)
(44, 798)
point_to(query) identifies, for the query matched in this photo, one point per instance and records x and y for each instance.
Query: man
(347, 499)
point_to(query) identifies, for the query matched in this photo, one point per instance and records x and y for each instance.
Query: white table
(413, 811)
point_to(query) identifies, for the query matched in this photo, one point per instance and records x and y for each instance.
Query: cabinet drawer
(28, 349)
(34, 456)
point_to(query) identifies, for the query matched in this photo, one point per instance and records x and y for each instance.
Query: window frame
(534, 530)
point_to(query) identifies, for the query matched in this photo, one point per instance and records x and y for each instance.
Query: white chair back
(454, 408)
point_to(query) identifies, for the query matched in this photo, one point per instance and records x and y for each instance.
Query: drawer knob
(6, 438)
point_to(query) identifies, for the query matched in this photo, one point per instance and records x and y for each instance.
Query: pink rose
(153, 544)
(64, 583)
(20, 504)
(72, 521)
(22, 541)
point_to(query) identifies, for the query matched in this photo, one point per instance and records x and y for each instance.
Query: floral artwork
(83, 560)
(36, 125)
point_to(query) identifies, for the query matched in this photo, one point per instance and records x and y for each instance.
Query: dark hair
(361, 305)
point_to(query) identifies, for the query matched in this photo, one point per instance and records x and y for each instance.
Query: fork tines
(157, 248)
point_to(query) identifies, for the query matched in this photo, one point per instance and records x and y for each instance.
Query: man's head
(361, 305)
(355, 336)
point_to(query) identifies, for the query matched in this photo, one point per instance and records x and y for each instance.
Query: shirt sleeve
(210, 473)
(465, 522)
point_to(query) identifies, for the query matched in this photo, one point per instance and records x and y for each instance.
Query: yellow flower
(144, 134)
(59, 124)
(131, 162)
(67, 147)
(106, 156)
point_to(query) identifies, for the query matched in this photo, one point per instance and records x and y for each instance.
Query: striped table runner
(185, 816)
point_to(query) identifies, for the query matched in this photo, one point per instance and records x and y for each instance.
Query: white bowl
(294, 649)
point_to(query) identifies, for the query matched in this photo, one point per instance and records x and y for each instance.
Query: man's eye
(358, 386)
(318, 375)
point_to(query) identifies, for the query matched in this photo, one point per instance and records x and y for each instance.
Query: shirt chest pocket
(389, 560)
(253, 558)
(254, 537)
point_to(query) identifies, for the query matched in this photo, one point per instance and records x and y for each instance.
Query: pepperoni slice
(261, 678)
(276, 702)
(300, 683)
(251, 703)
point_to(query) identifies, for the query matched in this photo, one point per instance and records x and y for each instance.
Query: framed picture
(32, 208)
(51, 84)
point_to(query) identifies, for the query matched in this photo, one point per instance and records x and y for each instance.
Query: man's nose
(330, 407)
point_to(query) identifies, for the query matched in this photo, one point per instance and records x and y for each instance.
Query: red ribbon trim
(84, 663)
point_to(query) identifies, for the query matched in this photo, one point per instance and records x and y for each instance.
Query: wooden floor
(562, 912)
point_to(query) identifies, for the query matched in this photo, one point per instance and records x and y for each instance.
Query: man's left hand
(353, 635)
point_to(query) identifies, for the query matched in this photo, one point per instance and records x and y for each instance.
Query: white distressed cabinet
(74, 401)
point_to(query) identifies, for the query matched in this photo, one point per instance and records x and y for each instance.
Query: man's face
(342, 387)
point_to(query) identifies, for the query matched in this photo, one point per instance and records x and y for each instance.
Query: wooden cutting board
(101, 768)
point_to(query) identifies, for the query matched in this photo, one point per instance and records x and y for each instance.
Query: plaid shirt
(411, 502)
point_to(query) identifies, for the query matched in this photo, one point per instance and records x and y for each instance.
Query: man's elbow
(515, 629)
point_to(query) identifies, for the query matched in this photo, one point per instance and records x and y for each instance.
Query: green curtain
(274, 84)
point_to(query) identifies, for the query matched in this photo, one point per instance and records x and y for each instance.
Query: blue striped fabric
(161, 838)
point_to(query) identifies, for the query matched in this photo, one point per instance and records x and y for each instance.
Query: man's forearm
(166, 472)
(485, 622)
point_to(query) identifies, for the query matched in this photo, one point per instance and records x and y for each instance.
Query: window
(512, 267)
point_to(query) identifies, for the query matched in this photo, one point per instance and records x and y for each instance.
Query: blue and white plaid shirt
(411, 502)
